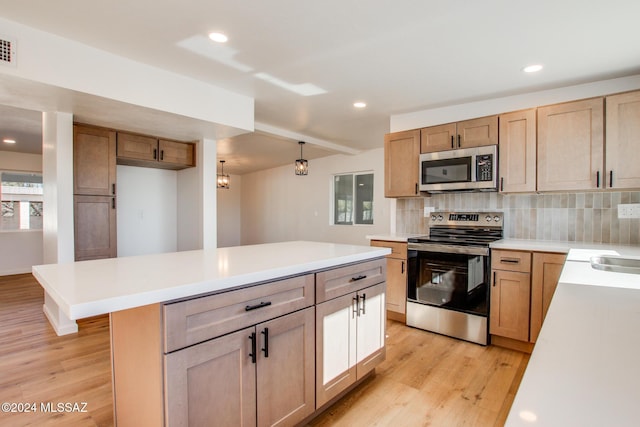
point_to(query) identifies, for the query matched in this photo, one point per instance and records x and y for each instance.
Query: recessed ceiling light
(218, 37)
(532, 68)
(9, 141)
(359, 104)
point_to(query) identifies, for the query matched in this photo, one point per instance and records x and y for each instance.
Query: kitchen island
(245, 335)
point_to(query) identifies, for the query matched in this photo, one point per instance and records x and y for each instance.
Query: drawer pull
(253, 307)
(510, 260)
(252, 338)
(266, 342)
(355, 279)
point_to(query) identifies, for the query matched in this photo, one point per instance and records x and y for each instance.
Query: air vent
(7, 51)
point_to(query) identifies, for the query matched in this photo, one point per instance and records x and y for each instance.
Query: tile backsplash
(580, 217)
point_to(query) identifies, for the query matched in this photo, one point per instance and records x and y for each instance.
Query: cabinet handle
(611, 178)
(458, 141)
(364, 299)
(252, 338)
(494, 279)
(256, 306)
(509, 260)
(502, 183)
(161, 155)
(266, 342)
(113, 203)
(416, 188)
(355, 279)
(452, 142)
(356, 309)
(598, 179)
(155, 154)
(113, 189)
(402, 268)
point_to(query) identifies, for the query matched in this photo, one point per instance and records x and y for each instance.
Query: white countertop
(395, 237)
(585, 367)
(88, 288)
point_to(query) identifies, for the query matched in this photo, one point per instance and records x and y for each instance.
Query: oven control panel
(477, 219)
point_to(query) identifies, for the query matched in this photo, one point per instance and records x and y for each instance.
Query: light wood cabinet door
(176, 153)
(518, 151)
(438, 138)
(94, 227)
(623, 140)
(571, 146)
(212, 383)
(401, 158)
(286, 369)
(94, 161)
(546, 269)
(397, 285)
(510, 297)
(477, 132)
(138, 147)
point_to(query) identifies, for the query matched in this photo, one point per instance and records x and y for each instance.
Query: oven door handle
(449, 249)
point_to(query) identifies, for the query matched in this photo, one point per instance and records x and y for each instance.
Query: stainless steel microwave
(465, 169)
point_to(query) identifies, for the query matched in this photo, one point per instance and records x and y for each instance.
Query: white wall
(277, 205)
(147, 210)
(229, 213)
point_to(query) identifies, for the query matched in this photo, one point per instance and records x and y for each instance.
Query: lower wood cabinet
(94, 227)
(262, 374)
(349, 341)
(396, 295)
(522, 286)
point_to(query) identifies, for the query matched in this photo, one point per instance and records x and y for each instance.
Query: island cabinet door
(212, 383)
(286, 369)
(335, 347)
(370, 348)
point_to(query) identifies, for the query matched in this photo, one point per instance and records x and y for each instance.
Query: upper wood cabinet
(94, 161)
(518, 151)
(465, 134)
(623, 140)
(148, 151)
(401, 157)
(571, 146)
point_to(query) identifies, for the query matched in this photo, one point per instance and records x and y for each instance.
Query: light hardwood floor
(426, 380)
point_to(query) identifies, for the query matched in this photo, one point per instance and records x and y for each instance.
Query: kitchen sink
(615, 263)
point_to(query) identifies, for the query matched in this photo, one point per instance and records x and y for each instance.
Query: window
(353, 199)
(21, 199)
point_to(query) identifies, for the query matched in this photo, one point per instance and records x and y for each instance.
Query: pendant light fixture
(223, 179)
(302, 166)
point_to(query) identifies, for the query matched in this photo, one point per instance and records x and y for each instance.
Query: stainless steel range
(449, 274)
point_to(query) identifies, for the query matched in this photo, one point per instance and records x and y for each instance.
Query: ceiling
(306, 63)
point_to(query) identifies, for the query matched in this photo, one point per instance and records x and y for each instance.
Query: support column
(57, 224)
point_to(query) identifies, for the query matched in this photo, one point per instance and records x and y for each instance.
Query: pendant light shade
(302, 166)
(223, 179)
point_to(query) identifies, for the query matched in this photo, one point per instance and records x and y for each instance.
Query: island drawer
(196, 320)
(511, 260)
(350, 278)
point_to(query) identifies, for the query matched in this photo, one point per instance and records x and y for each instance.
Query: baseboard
(11, 272)
(525, 347)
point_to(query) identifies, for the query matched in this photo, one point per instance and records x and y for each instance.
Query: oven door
(454, 281)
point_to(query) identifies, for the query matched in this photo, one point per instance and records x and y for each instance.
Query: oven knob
(487, 218)
(440, 217)
(433, 217)
(496, 218)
